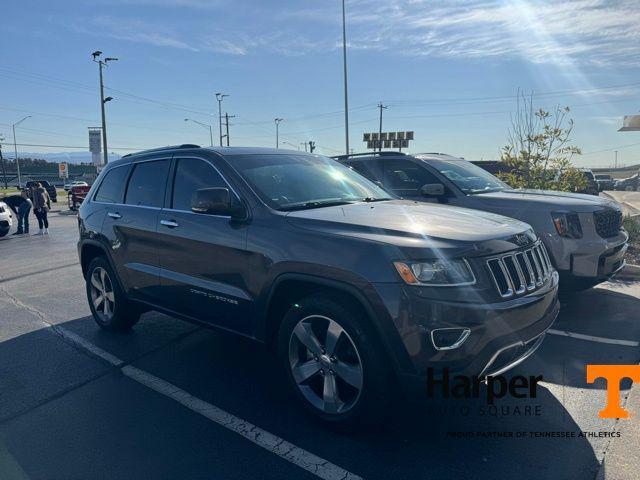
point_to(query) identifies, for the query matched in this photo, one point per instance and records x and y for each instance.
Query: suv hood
(546, 200)
(409, 223)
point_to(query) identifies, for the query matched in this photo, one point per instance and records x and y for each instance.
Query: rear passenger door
(203, 257)
(132, 226)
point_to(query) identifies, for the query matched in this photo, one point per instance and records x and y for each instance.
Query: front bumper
(589, 257)
(502, 334)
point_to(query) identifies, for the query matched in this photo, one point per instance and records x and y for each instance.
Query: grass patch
(632, 227)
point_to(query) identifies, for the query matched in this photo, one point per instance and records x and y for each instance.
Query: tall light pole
(219, 97)
(15, 148)
(101, 64)
(344, 61)
(277, 122)
(203, 125)
(4, 171)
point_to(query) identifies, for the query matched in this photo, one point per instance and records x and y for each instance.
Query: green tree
(539, 150)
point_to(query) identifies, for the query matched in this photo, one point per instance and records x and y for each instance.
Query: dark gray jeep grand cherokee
(356, 291)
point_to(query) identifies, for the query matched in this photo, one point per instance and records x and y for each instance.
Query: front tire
(333, 361)
(108, 303)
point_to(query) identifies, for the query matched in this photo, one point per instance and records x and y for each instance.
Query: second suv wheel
(110, 308)
(332, 361)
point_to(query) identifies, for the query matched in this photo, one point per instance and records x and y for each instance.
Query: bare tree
(539, 153)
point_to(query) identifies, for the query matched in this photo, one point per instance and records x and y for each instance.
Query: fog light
(449, 338)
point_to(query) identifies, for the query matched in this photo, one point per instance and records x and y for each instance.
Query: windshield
(468, 177)
(296, 182)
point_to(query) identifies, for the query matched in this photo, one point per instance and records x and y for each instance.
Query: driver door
(203, 257)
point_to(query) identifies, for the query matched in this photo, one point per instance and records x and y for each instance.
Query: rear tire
(334, 361)
(110, 307)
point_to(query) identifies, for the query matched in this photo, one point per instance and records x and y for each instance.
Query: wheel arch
(290, 287)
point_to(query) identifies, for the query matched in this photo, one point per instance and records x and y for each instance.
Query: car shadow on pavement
(610, 319)
(418, 439)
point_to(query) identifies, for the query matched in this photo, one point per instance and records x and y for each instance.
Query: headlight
(567, 224)
(443, 273)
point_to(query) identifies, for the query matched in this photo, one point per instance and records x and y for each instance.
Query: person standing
(41, 205)
(24, 208)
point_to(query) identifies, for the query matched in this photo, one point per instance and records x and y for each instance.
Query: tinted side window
(112, 187)
(193, 174)
(147, 183)
(372, 169)
(406, 176)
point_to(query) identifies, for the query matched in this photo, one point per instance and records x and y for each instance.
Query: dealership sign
(63, 170)
(378, 140)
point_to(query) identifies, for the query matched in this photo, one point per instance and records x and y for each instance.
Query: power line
(84, 147)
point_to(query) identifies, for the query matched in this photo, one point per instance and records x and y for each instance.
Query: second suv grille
(607, 222)
(518, 272)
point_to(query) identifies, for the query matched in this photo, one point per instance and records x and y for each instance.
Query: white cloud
(586, 31)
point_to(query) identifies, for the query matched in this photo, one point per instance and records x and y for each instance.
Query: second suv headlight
(567, 224)
(436, 273)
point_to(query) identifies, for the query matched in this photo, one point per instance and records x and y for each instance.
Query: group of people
(36, 199)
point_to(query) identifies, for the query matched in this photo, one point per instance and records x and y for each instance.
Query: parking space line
(274, 444)
(302, 458)
(591, 338)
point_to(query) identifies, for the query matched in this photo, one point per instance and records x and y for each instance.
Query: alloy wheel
(102, 295)
(325, 364)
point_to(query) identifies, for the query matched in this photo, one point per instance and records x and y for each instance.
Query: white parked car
(69, 186)
(6, 219)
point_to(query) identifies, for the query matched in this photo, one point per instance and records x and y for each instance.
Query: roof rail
(160, 149)
(367, 154)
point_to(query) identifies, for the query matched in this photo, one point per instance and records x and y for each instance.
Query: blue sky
(449, 70)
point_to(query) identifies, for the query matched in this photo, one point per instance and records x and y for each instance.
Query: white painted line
(302, 458)
(274, 444)
(590, 338)
(86, 346)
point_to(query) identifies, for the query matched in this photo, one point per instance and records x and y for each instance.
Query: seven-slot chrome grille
(519, 272)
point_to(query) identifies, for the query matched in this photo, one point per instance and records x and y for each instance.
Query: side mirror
(432, 190)
(216, 201)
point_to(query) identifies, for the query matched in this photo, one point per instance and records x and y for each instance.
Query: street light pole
(277, 122)
(101, 64)
(4, 171)
(344, 62)
(15, 148)
(219, 97)
(203, 125)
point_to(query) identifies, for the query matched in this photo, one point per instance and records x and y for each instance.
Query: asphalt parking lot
(171, 400)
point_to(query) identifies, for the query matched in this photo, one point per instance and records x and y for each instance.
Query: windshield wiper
(315, 204)
(372, 199)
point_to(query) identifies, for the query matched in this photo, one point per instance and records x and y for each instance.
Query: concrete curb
(629, 272)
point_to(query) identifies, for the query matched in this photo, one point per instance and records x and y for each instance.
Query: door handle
(169, 223)
(115, 215)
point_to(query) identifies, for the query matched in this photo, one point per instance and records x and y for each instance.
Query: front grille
(608, 222)
(519, 272)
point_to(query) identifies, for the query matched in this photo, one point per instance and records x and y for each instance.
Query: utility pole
(15, 148)
(4, 171)
(615, 163)
(381, 107)
(226, 123)
(304, 144)
(219, 98)
(277, 122)
(101, 64)
(344, 64)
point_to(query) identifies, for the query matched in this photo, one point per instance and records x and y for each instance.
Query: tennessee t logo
(613, 374)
